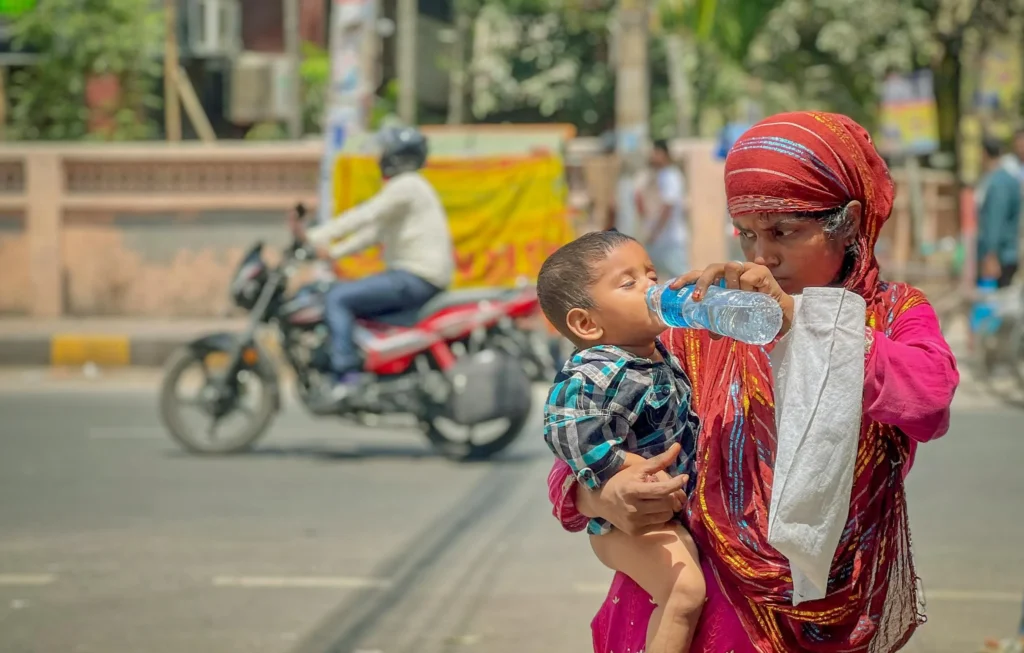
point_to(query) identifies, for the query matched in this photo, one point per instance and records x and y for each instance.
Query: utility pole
(405, 55)
(458, 80)
(292, 46)
(632, 83)
(355, 50)
(632, 103)
(172, 107)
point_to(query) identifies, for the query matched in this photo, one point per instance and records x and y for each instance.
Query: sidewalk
(109, 342)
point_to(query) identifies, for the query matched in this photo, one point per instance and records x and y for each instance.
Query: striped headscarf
(792, 163)
(813, 162)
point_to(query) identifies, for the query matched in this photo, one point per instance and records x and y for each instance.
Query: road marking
(974, 596)
(127, 433)
(592, 588)
(299, 582)
(26, 580)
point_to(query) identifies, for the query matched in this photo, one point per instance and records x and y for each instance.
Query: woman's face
(796, 249)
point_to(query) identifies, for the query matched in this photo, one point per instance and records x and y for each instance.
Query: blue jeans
(393, 291)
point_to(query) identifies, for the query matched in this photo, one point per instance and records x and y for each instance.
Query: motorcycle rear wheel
(171, 404)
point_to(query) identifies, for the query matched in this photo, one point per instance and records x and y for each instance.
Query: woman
(809, 195)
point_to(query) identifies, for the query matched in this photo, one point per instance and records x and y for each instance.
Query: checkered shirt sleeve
(589, 415)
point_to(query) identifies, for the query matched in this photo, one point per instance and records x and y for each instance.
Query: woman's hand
(755, 277)
(632, 501)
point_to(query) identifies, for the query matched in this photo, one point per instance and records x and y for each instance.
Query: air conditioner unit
(259, 88)
(213, 28)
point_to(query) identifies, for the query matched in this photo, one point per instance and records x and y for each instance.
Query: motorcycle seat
(442, 301)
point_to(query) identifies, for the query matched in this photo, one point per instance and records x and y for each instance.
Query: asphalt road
(336, 539)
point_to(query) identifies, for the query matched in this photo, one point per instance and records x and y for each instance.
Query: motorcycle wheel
(465, 450)
(171, 405)
(532, 350)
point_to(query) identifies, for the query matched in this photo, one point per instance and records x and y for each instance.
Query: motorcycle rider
(407, 219)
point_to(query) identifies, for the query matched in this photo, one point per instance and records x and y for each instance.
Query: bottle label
(684, 292)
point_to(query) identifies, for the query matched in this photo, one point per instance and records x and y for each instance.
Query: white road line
(26, 580)
(300, 582)
(974, 596)
(592, 588)
(126, 433)
(942, 595)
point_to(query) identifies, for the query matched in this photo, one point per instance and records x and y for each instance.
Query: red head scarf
(816, 162)
(790, 163)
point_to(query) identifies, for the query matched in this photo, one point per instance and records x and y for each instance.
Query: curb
(70, 349)
(107, 345)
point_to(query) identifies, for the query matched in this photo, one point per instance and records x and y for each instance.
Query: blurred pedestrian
(660, 199)
(999, 204)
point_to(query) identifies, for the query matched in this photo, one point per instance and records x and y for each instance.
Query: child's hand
(678, 497)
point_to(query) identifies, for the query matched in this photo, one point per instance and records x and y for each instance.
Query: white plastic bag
(818, 370)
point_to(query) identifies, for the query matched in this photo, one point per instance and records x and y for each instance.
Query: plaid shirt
(606, 402)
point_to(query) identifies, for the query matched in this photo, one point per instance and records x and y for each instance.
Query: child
(622, 398)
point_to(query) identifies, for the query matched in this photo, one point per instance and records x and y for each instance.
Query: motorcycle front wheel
(250, 396)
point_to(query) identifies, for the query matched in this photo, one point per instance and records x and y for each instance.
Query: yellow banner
(506, 215)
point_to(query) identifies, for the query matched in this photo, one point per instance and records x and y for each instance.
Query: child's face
(620, 315)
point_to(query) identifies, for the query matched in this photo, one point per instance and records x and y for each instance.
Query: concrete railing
(55, 198)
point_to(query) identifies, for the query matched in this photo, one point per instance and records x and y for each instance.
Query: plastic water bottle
(984, 317)
(750, 317)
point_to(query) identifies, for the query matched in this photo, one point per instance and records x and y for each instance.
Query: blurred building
(234, 51)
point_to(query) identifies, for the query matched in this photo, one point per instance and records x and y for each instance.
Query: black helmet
(403, 149)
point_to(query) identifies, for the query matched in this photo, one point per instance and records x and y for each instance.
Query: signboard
(506, 214)
(1000, 85)
(910, 119)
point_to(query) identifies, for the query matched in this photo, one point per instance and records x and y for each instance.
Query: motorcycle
(449, 364)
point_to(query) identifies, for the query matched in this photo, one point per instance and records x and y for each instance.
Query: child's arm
(587, 427)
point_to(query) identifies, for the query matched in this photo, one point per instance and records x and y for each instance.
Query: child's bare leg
(664, 563)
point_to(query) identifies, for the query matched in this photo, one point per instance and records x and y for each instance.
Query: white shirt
(407, 219)
(672, 189)
(665, 188)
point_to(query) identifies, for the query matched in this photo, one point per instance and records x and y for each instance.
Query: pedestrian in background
(660, 199)
(999, 205)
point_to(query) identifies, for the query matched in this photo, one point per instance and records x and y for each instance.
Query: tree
(834, 53)
(544, 61)
(79, 41)
(706, 42)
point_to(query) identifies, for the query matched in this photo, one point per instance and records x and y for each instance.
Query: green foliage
(385, 106)
(315, 75)
(834, 53)
(545, 66)
(76, 40)
(9, 8)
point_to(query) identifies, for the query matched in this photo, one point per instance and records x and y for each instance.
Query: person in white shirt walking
(660, 202)
(407, 219)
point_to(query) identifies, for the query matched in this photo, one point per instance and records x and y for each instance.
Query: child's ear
(582, 324)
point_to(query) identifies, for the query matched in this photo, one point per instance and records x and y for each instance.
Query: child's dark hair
(565, 278)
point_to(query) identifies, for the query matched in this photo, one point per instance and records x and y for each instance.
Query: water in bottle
(750, 317)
